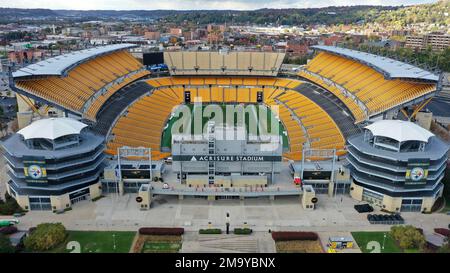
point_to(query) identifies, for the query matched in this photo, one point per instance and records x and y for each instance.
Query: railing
(245, 192)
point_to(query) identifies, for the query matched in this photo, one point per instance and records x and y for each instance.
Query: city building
(436, 41)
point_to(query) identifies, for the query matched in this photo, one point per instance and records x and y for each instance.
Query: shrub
(5, 245)
(9, 206)
(46, 236)
(8, 230)
(210, 231)
(242, 231)
(8, 197)
(408, 237)
(97, 198)
(442, 231)
(294, 235)
(420, 230)
(161, 231)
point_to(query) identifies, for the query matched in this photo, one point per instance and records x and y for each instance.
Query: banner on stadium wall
(226, 158)
(417, 171)
(35, 170)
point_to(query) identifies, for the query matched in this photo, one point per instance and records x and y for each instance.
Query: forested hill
(437, 13)
(427, 13)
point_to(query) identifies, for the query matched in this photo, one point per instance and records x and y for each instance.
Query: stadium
(325, 135)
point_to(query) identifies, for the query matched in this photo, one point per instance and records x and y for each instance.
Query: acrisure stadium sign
(226, 158)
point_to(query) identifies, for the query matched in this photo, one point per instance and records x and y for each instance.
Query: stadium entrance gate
(40, 203)
(81, 195)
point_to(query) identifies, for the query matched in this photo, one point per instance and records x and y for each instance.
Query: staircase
(221, 243)
(333, 106)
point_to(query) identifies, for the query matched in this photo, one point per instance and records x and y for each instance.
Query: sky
(195, 4)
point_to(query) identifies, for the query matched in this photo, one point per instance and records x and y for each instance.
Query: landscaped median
(158, 240)
(243, 231)
(210, 231)
(296, 242)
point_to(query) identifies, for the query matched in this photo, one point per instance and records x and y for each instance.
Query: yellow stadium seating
(369, 86)
(144, 121)
(85, 81)
(318, 124)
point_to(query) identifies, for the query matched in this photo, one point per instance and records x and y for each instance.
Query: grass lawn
(158, 244)
(99, 241)
(363, 238)
(161, 247)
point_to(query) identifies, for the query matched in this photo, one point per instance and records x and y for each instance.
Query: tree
(46, 236)
(408, 237)
(9, 206)
(5, 245)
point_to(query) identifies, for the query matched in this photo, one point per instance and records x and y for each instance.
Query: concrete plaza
(261, 214)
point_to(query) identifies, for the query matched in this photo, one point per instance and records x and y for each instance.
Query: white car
(165, 186)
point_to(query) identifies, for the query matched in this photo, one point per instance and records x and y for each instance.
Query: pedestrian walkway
(257, 242)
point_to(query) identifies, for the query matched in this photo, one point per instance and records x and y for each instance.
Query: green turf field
(99, 241)
(363, 238)
(166, 140)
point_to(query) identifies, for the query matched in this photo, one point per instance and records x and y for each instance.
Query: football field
(207, 112)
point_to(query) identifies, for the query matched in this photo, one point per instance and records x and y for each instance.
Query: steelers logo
(35, 171)
(417, 174)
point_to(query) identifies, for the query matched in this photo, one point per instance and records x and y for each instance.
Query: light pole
(384, 240)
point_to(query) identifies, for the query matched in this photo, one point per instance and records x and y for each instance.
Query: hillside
(437, 13)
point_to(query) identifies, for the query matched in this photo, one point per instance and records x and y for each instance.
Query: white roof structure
(58, 65)
(399, 130)
(52, 128)
(387, 66)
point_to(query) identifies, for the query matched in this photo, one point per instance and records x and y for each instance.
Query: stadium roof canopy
(390, 68)
(59, 65)
(399, 130)
(52, 128)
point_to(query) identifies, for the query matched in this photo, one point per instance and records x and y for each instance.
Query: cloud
(195, 4)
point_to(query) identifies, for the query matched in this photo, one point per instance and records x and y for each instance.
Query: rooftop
(59, 65)
(15, 147)
(52, 128)
(389, 67)
(436, 149)
(399, 130)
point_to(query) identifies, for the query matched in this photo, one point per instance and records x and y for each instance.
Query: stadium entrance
(79, 196)
(411, 205)
(372, 198)
(40, 203)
